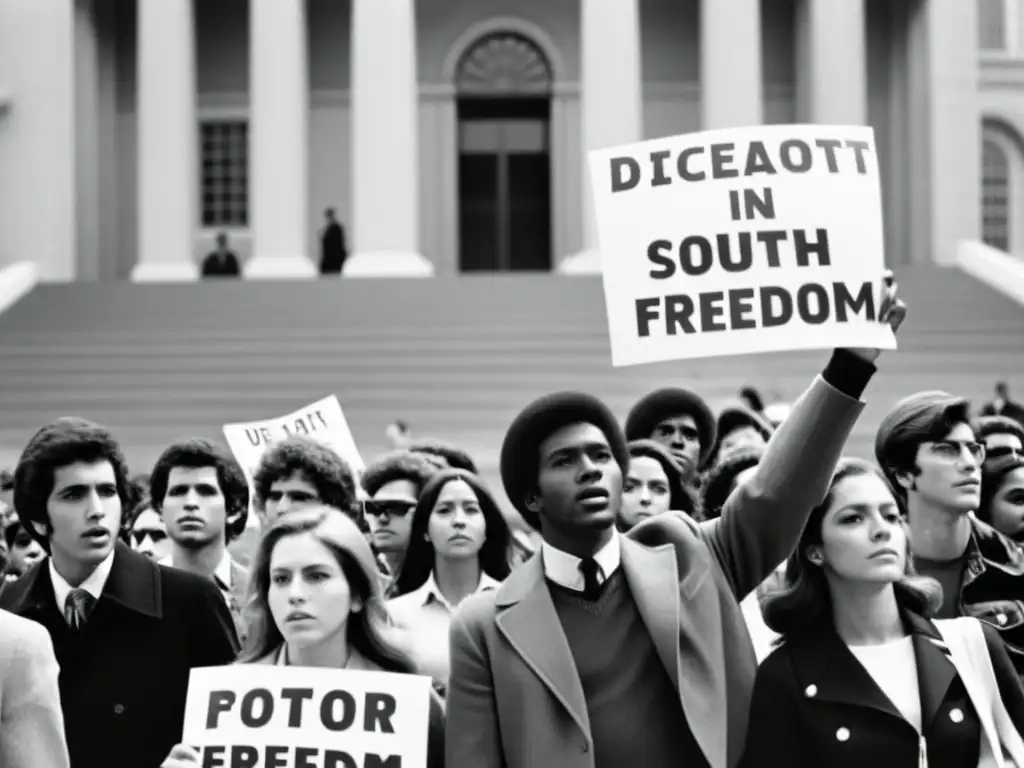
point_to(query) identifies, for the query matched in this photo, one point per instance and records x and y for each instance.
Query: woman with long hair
(861, 675)
(316, 600)
(459, 544)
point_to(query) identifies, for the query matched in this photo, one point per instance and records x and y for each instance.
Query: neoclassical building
(450, 135)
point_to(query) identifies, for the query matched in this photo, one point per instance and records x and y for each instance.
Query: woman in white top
(459, 543)
(316, 600)
(862, 677)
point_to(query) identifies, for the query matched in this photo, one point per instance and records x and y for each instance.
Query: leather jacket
(993, 586)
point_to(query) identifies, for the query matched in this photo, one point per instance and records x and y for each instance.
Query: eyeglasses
(155, 534)
(954, 449)
(390, 507)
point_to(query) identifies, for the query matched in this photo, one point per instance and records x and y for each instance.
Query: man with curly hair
(200, 492)
(394, 482)
(298, 472)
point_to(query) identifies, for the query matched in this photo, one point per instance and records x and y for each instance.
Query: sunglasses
(389, 507)
(155, 534)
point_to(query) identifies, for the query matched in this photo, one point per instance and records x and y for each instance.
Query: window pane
(225, 172)
(995, 196)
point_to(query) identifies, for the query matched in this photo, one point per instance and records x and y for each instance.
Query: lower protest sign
(740, 241)
(257, 716)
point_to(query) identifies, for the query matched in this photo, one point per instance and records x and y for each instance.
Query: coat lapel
(526, 617)
(687, 634)
(935, 670)
(836, 675)
(654, 583)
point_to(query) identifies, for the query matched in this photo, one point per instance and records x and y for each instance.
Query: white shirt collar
(222, 572)
(564, 569)
(93, 584)
(431, 591)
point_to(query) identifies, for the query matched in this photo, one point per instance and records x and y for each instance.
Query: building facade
(450, 135)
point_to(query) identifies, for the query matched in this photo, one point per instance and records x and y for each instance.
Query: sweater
(633, 707)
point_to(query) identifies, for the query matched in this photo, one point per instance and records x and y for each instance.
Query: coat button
(956, 715)
(119, 709)
(811, 691)
(843, 734)
(584, 747)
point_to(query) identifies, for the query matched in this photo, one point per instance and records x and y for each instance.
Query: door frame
(561, 184)
(503, 223)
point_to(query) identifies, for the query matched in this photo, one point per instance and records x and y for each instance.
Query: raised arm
(762, 519)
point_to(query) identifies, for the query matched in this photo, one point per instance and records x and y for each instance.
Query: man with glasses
(930, 454)
(393, 483)
(148, 532)
(23, 551)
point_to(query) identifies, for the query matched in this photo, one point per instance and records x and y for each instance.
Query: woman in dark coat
(862, 676)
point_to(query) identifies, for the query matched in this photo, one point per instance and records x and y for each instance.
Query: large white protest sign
(741, 241)
(263, 716)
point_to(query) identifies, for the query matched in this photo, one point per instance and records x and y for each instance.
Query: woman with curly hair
(316, 600)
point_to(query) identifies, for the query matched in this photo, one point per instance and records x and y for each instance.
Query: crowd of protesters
(699, 589)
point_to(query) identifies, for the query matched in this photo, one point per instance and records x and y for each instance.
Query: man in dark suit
(611, 650)
(126, 632)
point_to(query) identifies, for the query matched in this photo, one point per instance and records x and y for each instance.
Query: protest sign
(323, 421)
(741, 241)
(264, 716)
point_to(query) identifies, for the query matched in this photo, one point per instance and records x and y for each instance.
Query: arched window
(504, 64)
(995, 195)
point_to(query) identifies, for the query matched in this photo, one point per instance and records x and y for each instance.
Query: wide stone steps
(456, 358)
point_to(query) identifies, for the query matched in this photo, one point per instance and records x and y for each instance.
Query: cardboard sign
(262, 716)
(741, 241)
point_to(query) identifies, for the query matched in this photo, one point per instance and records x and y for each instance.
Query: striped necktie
(77, 608)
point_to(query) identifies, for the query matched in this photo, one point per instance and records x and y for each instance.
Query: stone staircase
(456, 358)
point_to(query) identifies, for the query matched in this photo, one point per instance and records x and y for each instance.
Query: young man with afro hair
(610, 649)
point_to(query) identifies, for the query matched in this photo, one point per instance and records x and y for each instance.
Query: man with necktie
(126, 632)
(606, 649)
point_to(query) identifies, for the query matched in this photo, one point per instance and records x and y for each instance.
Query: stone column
(167, 143)
(730, 63)
(279, 141)
(950, 74)
(385, 142)
(832, 62)
(611, 102)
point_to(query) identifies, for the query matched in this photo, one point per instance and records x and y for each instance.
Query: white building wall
(35, 64)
